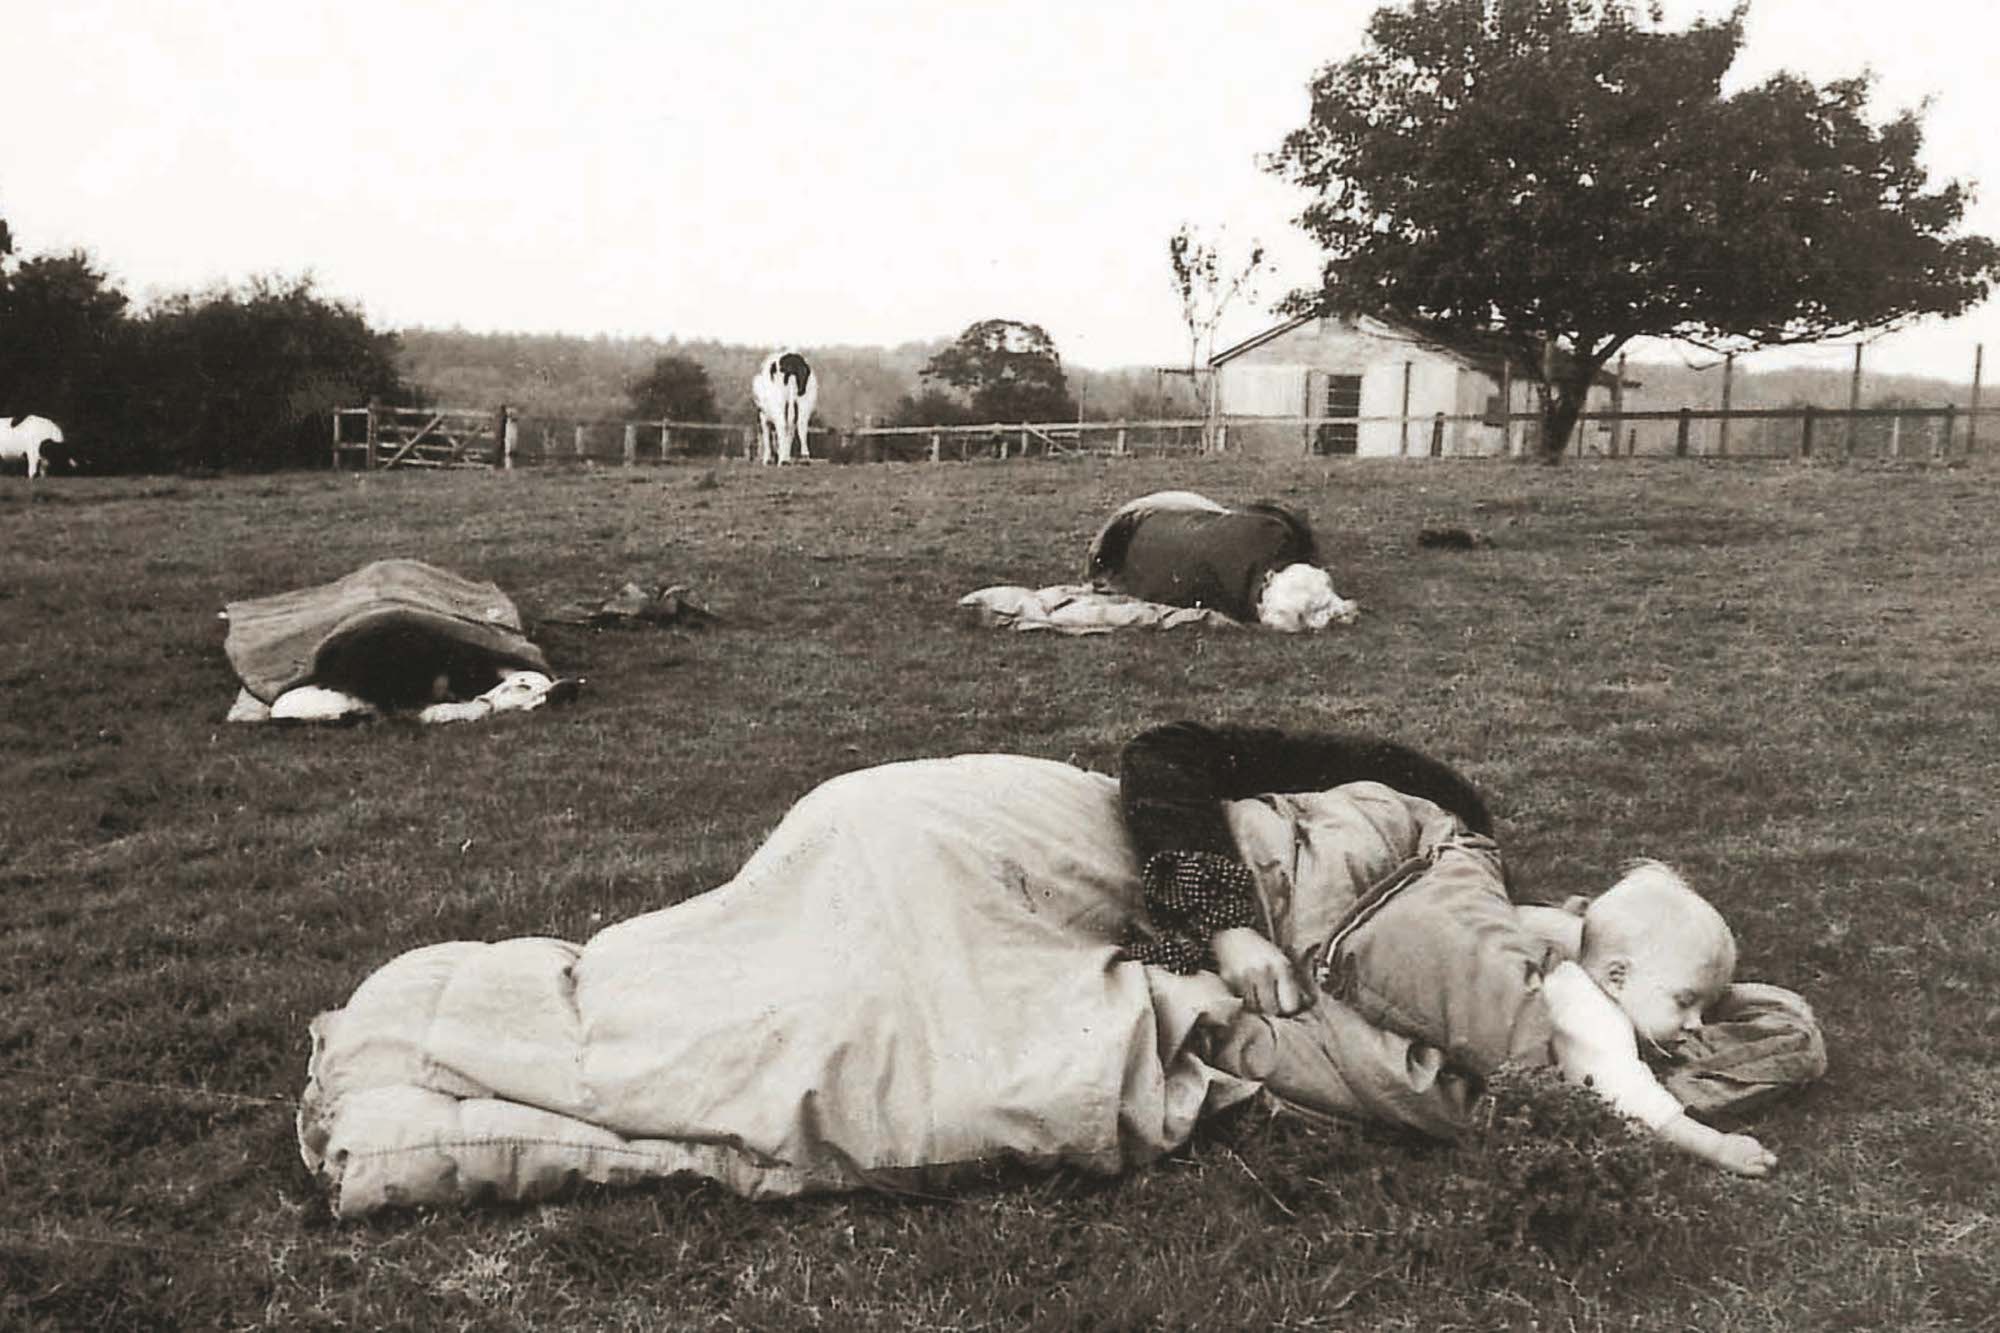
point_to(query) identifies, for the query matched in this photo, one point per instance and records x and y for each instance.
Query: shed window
(1343, 399)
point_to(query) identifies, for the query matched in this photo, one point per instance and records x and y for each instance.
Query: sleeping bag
(917, 975)
(1182, 549)
(394, 634)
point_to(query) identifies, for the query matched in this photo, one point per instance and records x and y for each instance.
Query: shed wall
(1287, 376)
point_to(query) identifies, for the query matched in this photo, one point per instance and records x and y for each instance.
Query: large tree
(1008, 370)
(1571, 175)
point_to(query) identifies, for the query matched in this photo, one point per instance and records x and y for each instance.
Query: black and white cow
(785, 391)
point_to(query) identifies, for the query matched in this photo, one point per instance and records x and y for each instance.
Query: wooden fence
(383, 437)
(1936, 433)
(1933, 433)
(1020, 439)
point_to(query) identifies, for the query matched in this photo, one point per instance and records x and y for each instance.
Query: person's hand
(1257, 971)
(1744, 1155)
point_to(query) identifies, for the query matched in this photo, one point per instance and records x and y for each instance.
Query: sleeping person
(933, 966)
(1435, 951)
(1256, 563)
(1642, 962)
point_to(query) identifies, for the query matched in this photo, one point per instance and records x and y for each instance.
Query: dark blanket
(386, 633)
(1199, 557)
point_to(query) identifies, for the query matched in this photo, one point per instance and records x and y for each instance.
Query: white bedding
(1078, 608)
(917, 971)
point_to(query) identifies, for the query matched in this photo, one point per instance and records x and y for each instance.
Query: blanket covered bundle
(915, 975)
(918, 971)
(394, 634)
(1175, 558)
(1256, 563)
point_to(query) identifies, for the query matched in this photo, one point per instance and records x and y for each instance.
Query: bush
(231, 378)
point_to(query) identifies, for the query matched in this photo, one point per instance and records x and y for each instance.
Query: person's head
(1658, 949)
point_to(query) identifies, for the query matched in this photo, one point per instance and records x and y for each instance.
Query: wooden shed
(1390, 380)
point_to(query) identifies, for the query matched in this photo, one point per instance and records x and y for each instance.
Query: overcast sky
(765, 171)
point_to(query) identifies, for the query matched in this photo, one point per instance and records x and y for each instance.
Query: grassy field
(1782, 678)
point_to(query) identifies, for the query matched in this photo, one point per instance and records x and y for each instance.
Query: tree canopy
(1570, 174)
(1009, 371)
(233, 377)
(244, 377)
(675, 389)
(62, 333)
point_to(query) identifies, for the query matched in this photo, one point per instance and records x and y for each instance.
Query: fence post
(1722, 426)
(1853, 406)
(579, 441)
(666, 441)
(336, 439)
(1972, 417)
(1618, 408)
(373, 434)
(1118, 447)
(1437, 435)
(1805, 433)
(1681, 434)
(1403, 425)
(1896, 436)
(1941, 445)
(937, 448)
(631, 443)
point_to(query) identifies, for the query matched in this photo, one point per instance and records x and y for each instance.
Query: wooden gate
(385, 437)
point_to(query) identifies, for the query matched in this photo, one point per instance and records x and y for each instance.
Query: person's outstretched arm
(1737, 1153)
(1200, 896)
(1595, 1047)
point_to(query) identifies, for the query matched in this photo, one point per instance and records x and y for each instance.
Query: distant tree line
(238, 377)
(603, 378)
(996, 371)
(244, 377)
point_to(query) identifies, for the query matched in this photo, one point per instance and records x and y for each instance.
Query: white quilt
(917, 971)
(1078, 608)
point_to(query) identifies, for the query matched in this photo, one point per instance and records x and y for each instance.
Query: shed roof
(1487, 351)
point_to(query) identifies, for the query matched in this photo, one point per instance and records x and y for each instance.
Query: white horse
(785, 391)
(24, 438)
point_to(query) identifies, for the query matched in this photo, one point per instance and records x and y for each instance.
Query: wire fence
(393, 437)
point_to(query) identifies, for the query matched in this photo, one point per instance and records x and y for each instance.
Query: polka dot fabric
(1191, 896)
